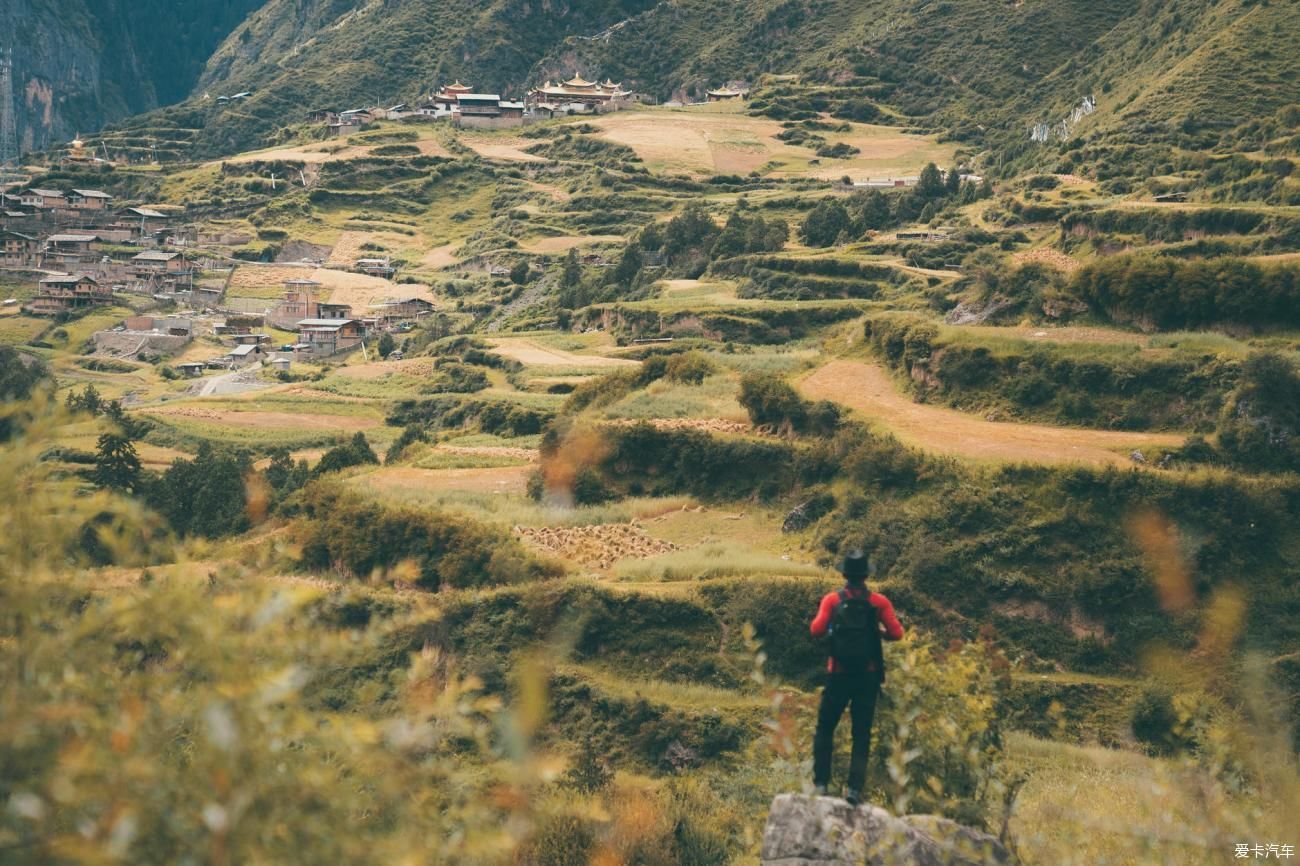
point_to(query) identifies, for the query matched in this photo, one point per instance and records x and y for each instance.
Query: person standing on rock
(857, 621)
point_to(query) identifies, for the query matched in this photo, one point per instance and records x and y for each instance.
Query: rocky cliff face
(826, 831)
(79, 64)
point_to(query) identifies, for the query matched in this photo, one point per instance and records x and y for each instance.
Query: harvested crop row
(599, 546)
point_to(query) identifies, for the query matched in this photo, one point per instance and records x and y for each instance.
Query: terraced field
(868, 389)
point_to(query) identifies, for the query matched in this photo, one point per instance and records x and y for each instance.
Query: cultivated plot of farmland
(338, 286)
(328, 151)
(534, 354)
(407, 481)
(563, 243)
(228, 417)
(868, 389)
(351, 245)
(705, 141)
(508, 148)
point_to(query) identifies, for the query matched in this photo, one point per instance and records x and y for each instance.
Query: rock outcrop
(826, 831)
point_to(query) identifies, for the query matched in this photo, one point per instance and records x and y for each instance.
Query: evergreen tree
(87, 401)
(629, 266)
(986, 188)
(952, 181)
(874, 214)
(361, 447)
(572, 269)
(519, 272)
(824, 223)
(117, 467)
(204, 496)
(930, 186)
(357, 452)
(387, 345)
(279, 470)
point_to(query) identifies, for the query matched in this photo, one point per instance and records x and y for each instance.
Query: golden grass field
(868, 389)
(717, 139)
(338, 286)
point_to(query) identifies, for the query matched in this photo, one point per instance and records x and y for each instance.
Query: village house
(325, 310)
(191, 369)
(251, 339)
(726, 94)
(375, 268)
(401, 310)
(330, 336)
(42, 198)
(349, 122)
(69, 252)
(243, 355)
(88, 199)
(64, 292)
(15, 219)
(298, 302)
(18, 250)
(159, 263)
(142, 222)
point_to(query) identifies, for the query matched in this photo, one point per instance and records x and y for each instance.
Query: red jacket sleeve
(885, 610)
(823, 619)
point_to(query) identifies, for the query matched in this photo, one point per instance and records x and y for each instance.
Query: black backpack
(855, 633)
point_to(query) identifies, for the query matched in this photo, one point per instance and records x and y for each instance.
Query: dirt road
(868, 389)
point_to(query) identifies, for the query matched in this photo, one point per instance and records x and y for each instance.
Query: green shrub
(690, 368)
(347, 533)
(357, 452)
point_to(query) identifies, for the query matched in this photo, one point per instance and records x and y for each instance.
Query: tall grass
(717, 559)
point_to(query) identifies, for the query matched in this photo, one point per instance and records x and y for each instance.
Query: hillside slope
(79, 65)
(983, 71)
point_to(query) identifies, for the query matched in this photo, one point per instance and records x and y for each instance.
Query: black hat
(856, 565)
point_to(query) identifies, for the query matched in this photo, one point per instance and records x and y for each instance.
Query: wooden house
(325, 310)
(42, 198)
(401, 310)
(18, 250)
(64, 292)
(157, 263)
(375, 267)
(142, 222)
(298, 302)
(88, 199)
(70, 252)
(330, 336)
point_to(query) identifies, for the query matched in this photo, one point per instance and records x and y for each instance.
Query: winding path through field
(868, 389)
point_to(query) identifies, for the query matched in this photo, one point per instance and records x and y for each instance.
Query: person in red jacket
(856, 620)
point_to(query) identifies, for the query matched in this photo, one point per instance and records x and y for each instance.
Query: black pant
(858, 692)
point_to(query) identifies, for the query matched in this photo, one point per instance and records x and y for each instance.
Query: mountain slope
(81, 64)
(983, 71)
